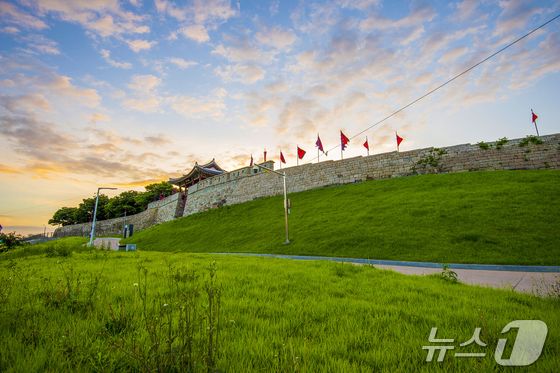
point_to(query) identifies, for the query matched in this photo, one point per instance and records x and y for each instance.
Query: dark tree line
(129, 203)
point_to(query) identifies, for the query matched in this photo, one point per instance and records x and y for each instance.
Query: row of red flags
(344, 141)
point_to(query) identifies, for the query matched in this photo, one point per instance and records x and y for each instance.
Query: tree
(154, 192)
(85, 209)
(65, 216)
(9, 241)
(126, 201)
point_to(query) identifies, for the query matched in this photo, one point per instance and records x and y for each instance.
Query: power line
(446, 82)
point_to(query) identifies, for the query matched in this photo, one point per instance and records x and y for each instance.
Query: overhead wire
(446, 82)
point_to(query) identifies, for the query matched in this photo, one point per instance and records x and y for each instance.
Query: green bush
(448, 274)
(501, 142)
(9, 241)
(63, 248)
(530, 140)
(484, 146)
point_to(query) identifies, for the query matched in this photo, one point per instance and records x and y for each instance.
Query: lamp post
(283, 174)
(92, 234)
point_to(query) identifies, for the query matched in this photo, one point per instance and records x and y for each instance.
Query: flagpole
(535, 122)
(280, 159)
(397, 141)
(367, 146)
(297, 156)
(318, 160)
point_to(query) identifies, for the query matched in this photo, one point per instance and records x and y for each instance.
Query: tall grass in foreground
(145, 311)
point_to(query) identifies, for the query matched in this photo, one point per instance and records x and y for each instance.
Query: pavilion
(197, 174)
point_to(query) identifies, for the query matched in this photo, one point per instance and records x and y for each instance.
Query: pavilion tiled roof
(198, 173)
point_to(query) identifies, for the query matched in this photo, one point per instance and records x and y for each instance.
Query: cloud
(276, 37)
(514, 15)
(417, 16)
(198, 16)
(452, 54)
(144, 96)
(195, 107)
(25, 103)
(169, 8)
(243, 51)
(197, 33)
(107, 57)
(63, 86)
(246, 74)
(34, 138)
(144, 104)
(41, 44)
(260, 108)
(105, 18)
(49, 150)
(274, 7)
(9, 30)
(157, 140)
(99, 117)
(13, 14)
(182, 63)
(414, 35)
(212, 10)
(144, 84)
(4, 169)
(466, 9)
(317, 18)
(48, 88)
(143, 182)
(139, 45)
(358, 4)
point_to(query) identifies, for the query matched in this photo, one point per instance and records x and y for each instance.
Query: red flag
(265, 155)
(534, 116)
(343, 140)
(366, 144)
(251, 165)
(399, 139)
(319, 144)
(300, 152)
(282, 159)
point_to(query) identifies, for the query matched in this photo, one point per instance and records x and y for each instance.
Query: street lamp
(283, 174)
(92, 234)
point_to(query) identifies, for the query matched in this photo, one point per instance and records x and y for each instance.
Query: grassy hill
(502, 217)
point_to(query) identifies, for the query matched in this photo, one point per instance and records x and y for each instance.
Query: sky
(127, 93)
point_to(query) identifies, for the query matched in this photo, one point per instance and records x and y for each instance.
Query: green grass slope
(502, 217)
(113, 312)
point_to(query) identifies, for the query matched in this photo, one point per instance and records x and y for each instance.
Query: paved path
(527, 279)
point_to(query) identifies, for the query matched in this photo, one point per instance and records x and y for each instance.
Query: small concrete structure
(107, 243)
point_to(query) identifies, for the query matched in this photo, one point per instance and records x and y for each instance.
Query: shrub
(501, 142)
(482, 145)
(448, 274)
(530, 140)
(57, 249)
(9, 241)
(430, 162)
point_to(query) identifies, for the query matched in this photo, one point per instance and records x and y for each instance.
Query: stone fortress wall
(247, 184)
